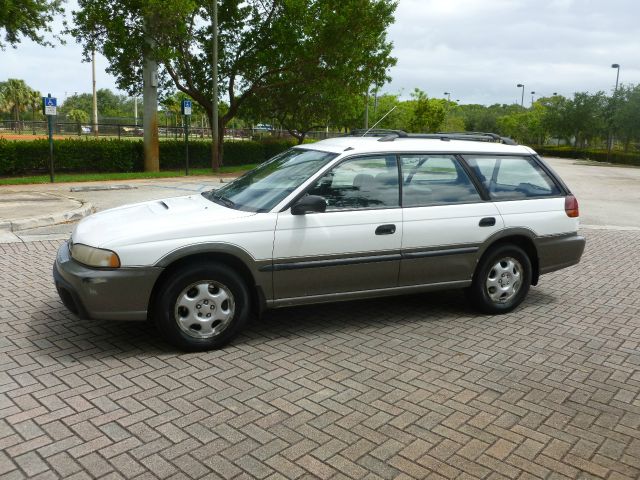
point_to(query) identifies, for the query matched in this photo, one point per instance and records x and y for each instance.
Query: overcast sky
(476, 49)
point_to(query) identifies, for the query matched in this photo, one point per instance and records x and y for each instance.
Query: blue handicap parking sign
(49, 105)
(186, 107)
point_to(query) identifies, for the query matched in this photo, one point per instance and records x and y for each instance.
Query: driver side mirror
(309, 204)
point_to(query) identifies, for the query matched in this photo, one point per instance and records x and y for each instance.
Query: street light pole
(214, 110)
(448, 94)
(532, 94)
(616, 66)
(615, 91)
(521, 85)
(94, 112)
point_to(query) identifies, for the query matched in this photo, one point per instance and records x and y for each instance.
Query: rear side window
(512, 178)
(435, 180)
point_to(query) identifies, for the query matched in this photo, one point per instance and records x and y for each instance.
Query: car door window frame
(333, 166)
(458, 161)
(561, 187)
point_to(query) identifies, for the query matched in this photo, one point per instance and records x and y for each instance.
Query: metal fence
(112, 130)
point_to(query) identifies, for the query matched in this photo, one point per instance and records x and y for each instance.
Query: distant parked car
(341, 219)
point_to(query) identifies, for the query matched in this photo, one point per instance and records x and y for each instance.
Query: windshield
(267, 185)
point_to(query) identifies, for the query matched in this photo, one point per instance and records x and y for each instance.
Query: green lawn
(98, 177)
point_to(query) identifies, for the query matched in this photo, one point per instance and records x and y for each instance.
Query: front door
(354, 245)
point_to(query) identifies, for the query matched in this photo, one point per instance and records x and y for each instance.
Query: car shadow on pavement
(60, 335)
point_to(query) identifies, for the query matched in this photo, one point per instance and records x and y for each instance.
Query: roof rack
(376, 132)
(479, 137)
(390, 135)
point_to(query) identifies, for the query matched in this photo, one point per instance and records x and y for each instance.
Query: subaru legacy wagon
(346, 218)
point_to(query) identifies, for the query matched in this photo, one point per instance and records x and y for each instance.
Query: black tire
(222, 282)
(480, 293)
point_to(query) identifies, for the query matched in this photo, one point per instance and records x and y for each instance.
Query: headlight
(94, 257)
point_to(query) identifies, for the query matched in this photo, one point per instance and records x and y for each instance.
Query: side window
(435, 180)
(370, 182)
(513, 178)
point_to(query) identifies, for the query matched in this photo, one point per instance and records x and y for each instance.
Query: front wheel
(502, 280)
(202, 307)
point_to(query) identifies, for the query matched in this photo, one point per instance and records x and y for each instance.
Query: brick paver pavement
(411, 387)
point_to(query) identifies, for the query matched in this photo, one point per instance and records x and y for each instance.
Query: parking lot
(410, 387)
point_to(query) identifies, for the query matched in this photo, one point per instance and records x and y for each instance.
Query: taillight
(571, 206)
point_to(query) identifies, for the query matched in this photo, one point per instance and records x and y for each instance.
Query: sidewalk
(49, 211)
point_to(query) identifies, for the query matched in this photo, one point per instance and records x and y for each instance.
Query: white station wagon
(347, 218)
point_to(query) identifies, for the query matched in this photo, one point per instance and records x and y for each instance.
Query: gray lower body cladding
(123, 294)
(102, 294)
(559, 251)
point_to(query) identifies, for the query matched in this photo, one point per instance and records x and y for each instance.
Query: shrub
(597, 155)
(112, 155)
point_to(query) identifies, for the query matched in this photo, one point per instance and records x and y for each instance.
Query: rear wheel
(202, 307)
(502, 280)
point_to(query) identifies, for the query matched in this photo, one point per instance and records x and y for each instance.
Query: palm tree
(16, 95)
(35, 100)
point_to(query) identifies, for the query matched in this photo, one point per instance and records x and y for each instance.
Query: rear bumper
(101, 294)
(559, 251)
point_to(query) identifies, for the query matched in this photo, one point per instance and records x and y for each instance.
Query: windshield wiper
(224, 201)
(219, 198)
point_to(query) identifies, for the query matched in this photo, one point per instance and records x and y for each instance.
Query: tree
(553, 120)
(301, 109)
(427, 114)
(586, 116)
(524, 126)
(626, 114)
(27, 18)
(397, 112)
(17, 98)
(110, 104)
(80, 117)
(266, 46)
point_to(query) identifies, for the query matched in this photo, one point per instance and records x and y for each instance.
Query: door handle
(386, 229)
(487, 222)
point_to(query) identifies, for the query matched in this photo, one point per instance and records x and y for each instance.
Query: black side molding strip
(336, 262)
(439, 253)
(333, 262)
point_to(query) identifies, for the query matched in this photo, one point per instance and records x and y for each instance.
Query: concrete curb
(47, 220)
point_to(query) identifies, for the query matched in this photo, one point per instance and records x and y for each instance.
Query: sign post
(185, 107)
(49, 108)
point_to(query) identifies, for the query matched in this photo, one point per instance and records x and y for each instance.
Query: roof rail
(478, 137)
(391, 135)
(376, 132)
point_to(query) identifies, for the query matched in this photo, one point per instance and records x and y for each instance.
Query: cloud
(480, 50)
(476, 49)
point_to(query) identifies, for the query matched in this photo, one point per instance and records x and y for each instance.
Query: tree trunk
(220, 144)
(150, 115)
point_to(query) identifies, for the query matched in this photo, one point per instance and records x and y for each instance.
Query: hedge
(112, 155)
(597, 155)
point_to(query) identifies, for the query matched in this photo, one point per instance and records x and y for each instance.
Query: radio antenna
(385, 116)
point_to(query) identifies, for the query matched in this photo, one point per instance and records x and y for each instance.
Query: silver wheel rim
(204, 309)
(504, 280)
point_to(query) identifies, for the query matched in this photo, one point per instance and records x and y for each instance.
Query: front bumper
(103, 294)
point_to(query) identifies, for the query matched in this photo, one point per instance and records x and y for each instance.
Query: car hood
(164, 219)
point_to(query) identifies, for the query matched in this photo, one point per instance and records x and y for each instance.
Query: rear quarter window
(513, 178)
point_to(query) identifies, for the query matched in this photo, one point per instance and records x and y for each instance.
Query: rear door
(354, 245)
(445, 220)
(525, 195)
